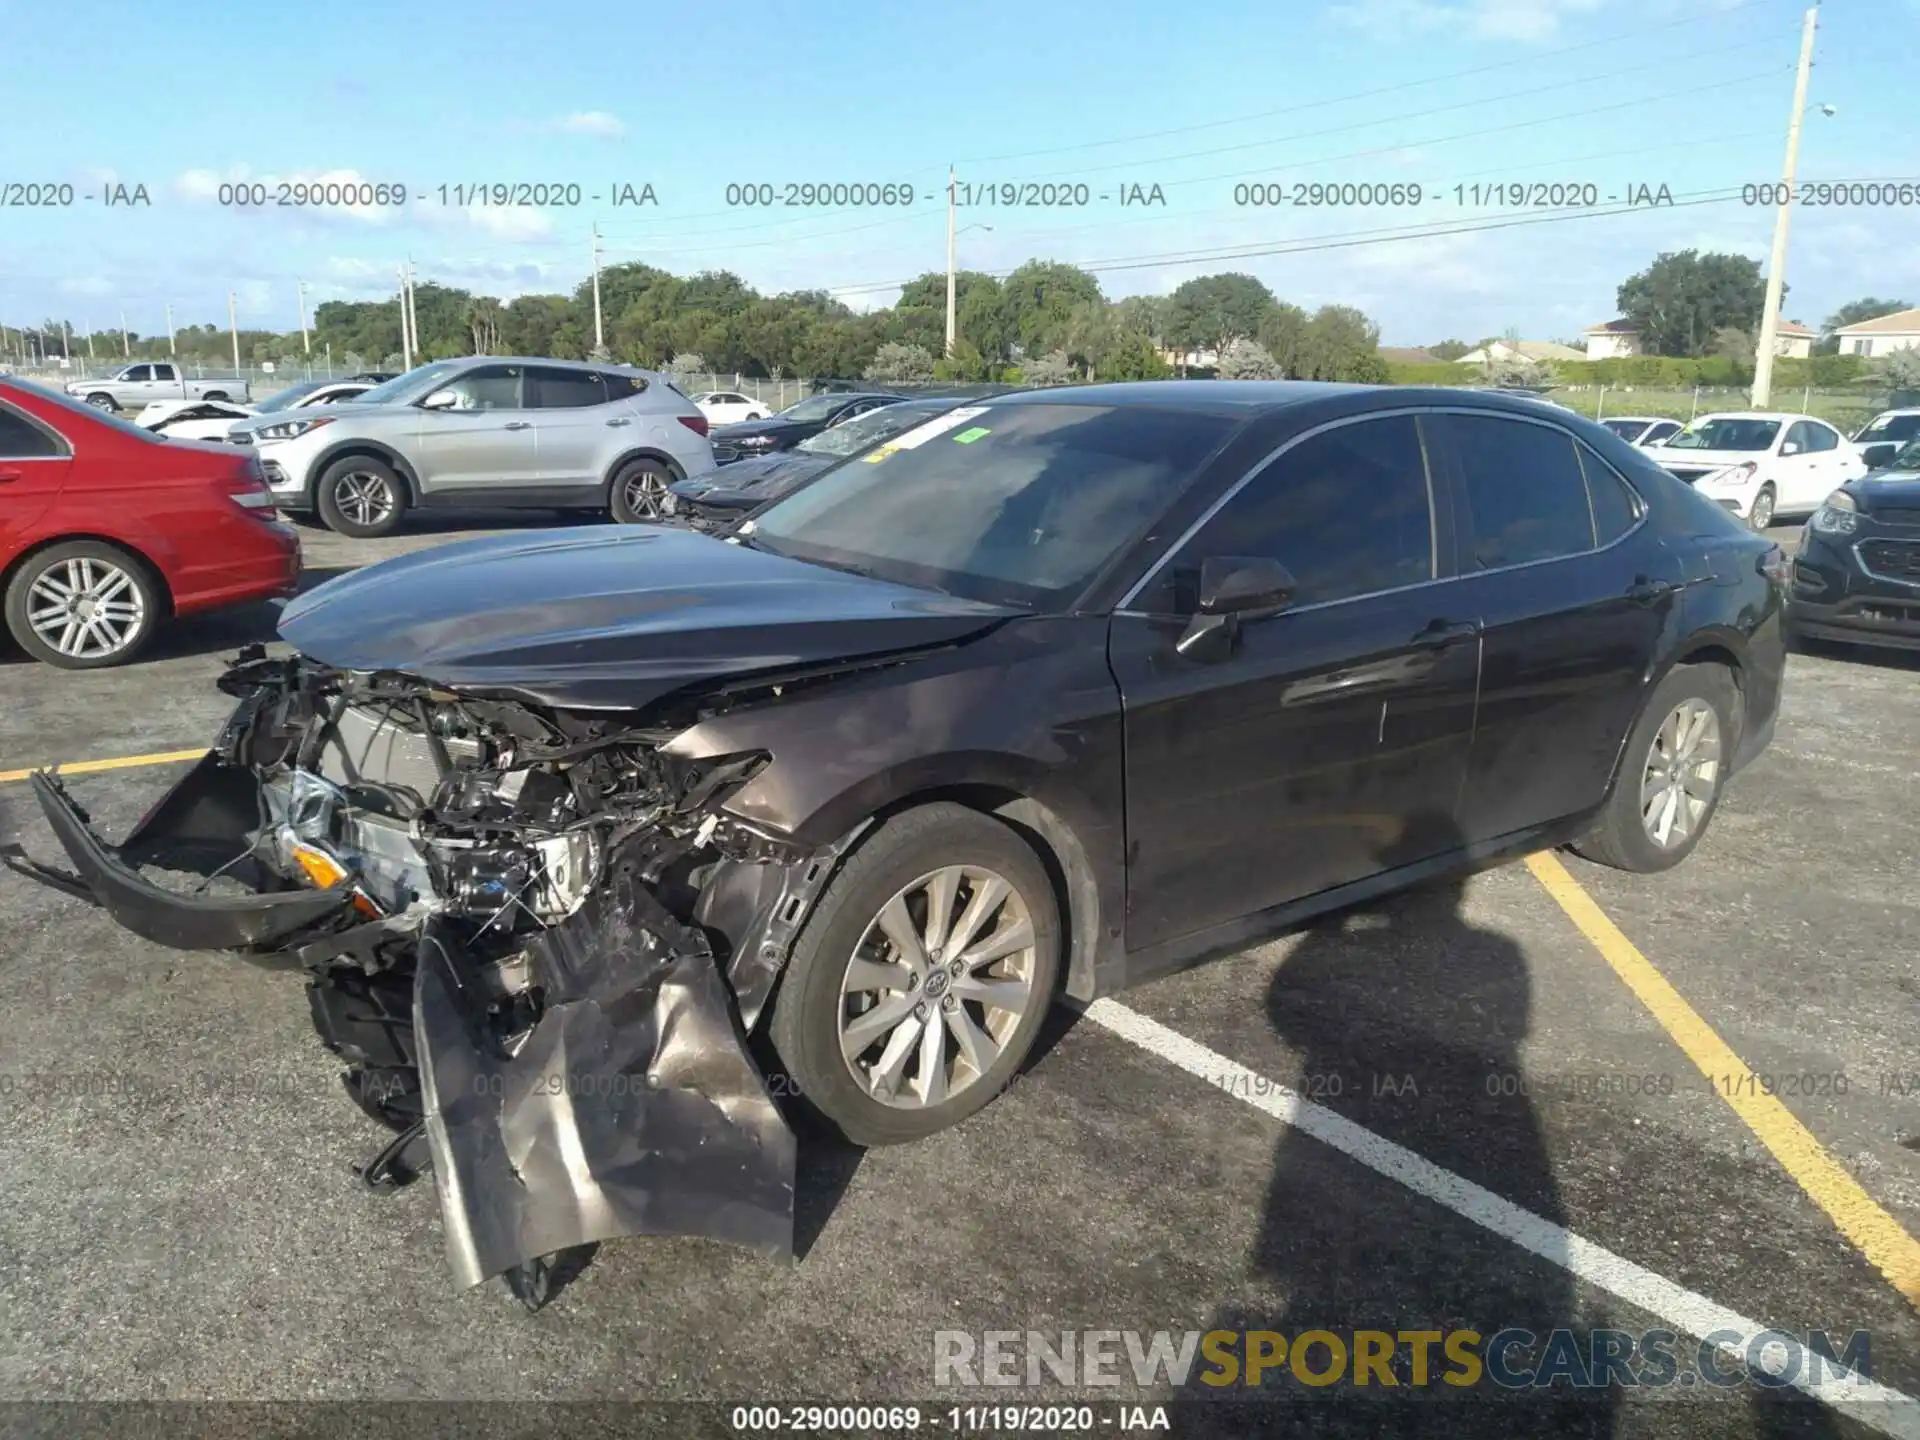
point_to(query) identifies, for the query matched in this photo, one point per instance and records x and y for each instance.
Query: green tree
(895, 364)
(1208, 312)
(1134, 355)
(1283, 333)
(1039, 302)
(1684, 299)
(1053, 368)
(1449, 349)
(1340, 343)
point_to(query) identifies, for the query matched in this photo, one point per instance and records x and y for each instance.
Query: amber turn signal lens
(321, 868)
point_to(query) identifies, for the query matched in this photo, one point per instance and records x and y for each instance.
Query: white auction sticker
(920, 434)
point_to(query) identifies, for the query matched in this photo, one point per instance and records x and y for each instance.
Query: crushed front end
(503, 913)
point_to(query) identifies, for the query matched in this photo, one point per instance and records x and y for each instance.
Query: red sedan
(107, 529)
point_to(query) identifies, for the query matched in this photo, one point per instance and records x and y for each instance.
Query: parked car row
(215, 419)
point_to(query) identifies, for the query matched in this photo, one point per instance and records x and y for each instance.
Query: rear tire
(638, 491)
(1672, 773)
(83, 605)
(361, 497)
(100, 400)
(214, 395)
(985, 1014)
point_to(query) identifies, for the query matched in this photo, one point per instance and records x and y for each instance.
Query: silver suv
(486, 430)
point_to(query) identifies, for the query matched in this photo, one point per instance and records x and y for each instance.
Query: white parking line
(1889, 1411)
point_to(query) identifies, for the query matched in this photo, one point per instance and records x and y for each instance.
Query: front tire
(638, 493)
(920, 982)
(1672, 774)
(83, 605)
(361, 497)
(1761, 516)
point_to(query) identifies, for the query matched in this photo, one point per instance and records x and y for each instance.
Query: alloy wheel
(937, 985)
(645, 493)
(86, 608)
(363, 497)
(1682, 774)
(1762, 515)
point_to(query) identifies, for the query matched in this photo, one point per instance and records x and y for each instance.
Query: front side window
(1665, 430)
(1347, 511)
(140, 372)
(416, 384)
(1526, 497)
(486, 387)
(1015, 504)
(553, 389)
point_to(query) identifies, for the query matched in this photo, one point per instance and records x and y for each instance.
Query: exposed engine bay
(535, 939)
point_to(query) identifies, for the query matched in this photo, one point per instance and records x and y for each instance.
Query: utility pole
(89, 329)
(126, 342)
(1776, 267)
(406, 334)
(170, 345)
(66, 340)
(233, 328)
(300, 295)
(413, 309)
(951, 188)
(599, 327)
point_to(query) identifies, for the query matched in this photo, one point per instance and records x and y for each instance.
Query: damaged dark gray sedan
(603, 851)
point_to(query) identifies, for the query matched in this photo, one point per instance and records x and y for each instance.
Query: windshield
(1726, 434)
(67, 402)
(1892, 427)
(290, 396)
(1626, 429)
(1015, 504)
(413, 385)
(870, 429)
(814, 407)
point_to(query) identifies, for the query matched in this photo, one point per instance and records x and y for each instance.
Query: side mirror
(1233, 588)
(441, 400)
(1792, 447)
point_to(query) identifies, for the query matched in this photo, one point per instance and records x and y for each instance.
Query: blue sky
(1692, 94)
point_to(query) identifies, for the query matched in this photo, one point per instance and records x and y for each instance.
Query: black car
(793, 424)
(719, 498)
(1856, 575)
(578, 835)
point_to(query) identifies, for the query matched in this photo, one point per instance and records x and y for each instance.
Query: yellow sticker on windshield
(882, 453)
(967, 437)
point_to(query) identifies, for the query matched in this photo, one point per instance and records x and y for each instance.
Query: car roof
(1640, 419)
(551, 363)
(1754, 415)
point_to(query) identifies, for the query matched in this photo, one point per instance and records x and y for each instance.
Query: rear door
(575, 422)
(1831, 462)
(1572, 590)
(485, 445)
(1330, 744)
(34, 464)
(165, 385)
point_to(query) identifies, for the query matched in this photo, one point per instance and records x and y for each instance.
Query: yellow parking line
(124, 762)
(1876, 1234)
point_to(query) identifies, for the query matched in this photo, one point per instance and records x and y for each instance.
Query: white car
(1761, 466)
(1643, 430)
(1882, 437)
(729, 407)
(215, 419)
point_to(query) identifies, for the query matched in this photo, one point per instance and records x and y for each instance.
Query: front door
(485, 443)
(1331, 742)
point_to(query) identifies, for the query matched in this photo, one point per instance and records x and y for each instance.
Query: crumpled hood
(611, 617)
(761, 478)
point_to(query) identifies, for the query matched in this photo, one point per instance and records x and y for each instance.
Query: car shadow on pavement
(1409, 1020)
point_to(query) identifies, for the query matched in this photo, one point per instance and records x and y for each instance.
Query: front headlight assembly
(1837, 515)
(291, 429)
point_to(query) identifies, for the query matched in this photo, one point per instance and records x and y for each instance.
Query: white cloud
(87, 285)
(593, 122)
(1527, 21)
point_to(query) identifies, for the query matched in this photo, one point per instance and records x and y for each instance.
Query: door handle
(1644, 591)
(7, 477)
(1441, 633)
(619, 420)
(518, 425)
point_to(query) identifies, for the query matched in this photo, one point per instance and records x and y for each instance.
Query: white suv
(486, 430)
(1760, 466)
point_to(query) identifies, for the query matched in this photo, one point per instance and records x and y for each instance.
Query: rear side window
(1819, 437)
(1615, 507)
(21, 439)
(1347, 512)
(564, 389)
(623, 387)
(1526, 497)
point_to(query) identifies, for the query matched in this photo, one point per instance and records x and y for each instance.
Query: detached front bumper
(592, 1084)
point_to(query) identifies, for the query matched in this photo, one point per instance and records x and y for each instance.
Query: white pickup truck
(142, 383)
